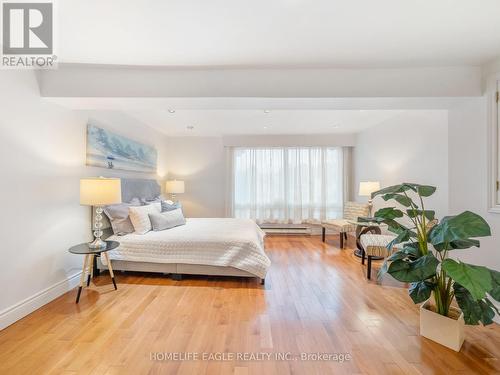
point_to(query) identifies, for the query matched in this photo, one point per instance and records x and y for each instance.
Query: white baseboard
(21, 309)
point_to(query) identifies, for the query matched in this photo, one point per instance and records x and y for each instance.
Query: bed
(204, 246)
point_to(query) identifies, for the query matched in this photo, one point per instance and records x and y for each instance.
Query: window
(288, 184)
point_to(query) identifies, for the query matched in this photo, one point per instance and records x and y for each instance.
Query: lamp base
(97, 244)
(370, 207)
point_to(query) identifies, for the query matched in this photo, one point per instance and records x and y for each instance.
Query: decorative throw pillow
(119, 218)
(167, 219)
(139, 216)
(157, 199)
(170, 206)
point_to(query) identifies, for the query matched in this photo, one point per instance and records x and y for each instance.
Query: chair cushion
(353, 210)
(376, 244)
(339, 224)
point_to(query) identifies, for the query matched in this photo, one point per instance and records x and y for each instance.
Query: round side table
(363, 227)
(90, 254)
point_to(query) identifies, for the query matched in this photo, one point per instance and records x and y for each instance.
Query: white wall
(200, 162)
(468, 176)
(412, 147)
(42, 158)
(491, 69)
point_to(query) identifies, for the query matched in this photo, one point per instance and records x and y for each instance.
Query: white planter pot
(442, 329)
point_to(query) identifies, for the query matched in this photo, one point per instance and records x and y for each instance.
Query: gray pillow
(119, 218)
(159, 198)
(165, 206)
(167, 220)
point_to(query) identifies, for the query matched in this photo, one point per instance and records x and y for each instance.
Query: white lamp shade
(175, 186)
(100, 191)
(366, 188)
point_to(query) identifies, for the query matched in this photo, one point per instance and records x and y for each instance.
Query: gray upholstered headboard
(138, 188)
(133, 188)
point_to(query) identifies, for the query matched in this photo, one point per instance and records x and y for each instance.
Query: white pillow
(139, 216)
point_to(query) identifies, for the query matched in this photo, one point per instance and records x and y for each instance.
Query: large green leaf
(412, 249)
(422, 190)
(490, 304)
(458, 244)
(425, 190)
(408, 252)
(397, 256)
(413, 271)
(410, 186)
(383, 270)
(475, 311)
(391, 190)
(398, 228)
(455, 232)
(429, 214)
(476, 279)
(400, 198)
(389, 213)
(420, 291)
(495, 281)
(403, 236)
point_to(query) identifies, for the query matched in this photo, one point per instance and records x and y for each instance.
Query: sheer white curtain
(287, 184)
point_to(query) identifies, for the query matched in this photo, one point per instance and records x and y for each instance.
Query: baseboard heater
(285, 229)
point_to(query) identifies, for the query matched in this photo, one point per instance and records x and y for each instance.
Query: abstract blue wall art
(112, 151)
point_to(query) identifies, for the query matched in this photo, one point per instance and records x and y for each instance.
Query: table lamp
(366, 188)
(99, 192)
(174, 187)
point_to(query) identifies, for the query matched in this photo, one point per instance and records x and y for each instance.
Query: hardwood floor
(316, 299)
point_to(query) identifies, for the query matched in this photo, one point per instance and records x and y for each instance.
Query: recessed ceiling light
(190, 127)
(171, 110)
(266, 111)
(265, 126)
(335, 126)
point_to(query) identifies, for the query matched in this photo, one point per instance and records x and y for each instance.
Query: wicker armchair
(352, 210)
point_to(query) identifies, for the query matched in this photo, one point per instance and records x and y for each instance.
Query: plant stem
(437, 299)
(443, 294)
(449, 294)
(419, 222)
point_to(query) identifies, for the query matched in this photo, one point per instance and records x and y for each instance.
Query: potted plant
(421, 257)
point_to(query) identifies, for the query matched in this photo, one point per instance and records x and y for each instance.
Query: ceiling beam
(98, 81)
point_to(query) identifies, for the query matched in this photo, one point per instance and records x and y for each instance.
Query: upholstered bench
(375, 245)
(352, 210)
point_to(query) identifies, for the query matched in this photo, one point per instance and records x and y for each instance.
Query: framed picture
(109, 150)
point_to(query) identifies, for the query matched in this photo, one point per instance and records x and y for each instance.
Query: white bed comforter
(237, 243)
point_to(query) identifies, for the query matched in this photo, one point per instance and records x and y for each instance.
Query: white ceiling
(257, 122)
(333, 33)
